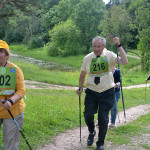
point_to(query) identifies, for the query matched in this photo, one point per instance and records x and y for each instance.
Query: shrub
(35, 42)
(66, 37)
(51, 49)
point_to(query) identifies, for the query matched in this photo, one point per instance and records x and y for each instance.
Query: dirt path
(134, 56)
(41, 85)
(70, 139)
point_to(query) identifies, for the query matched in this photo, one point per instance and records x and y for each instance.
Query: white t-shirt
(106, 80)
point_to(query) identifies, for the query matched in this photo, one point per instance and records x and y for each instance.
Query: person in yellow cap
(12, 91)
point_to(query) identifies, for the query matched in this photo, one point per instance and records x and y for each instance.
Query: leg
(91, 106)
(114, 111)
(11, 134)
(114, 108)
(1, 121)
(103, 118)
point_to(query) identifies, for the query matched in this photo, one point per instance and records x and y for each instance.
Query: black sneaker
(100, 148)
(90, 139)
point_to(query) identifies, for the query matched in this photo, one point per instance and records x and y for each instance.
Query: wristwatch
(119, 45)
(10, 101)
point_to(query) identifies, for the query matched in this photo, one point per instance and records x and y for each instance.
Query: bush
(144, 47)
(35, 42)
(51, 49)
(66, 37)
(13, 36)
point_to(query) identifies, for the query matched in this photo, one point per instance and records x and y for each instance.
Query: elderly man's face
(98, 47)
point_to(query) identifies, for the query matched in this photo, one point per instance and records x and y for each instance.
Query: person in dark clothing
(148, 78)
(116, 75)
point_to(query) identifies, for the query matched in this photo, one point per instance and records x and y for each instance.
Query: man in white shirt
(100, 86)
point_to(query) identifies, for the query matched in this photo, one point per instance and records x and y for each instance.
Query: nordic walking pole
(121, 82)
(145, 91)
(17, 126)
(80, 113)
(148, 78)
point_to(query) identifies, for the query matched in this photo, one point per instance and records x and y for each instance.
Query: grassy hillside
(131, 73)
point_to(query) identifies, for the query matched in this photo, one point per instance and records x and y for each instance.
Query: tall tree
(87, 15)
(142, 23)
(50, 18)
(8, 7)
(47, 4)
(3, 27)
(116, 25)
(113, 2)
(22, 27)
(66, 8)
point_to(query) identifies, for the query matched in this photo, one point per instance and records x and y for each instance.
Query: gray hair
(99, 38)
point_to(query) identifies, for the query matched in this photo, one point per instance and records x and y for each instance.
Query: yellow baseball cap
(4, 45)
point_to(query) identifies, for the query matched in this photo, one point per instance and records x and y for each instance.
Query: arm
(123, 57)
(20, 90)
(81, 82)
(20, 85)
(14, 99)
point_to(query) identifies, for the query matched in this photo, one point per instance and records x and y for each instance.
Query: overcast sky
(106, 1)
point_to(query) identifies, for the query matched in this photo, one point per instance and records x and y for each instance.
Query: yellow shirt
(107, 80)
(19, 106)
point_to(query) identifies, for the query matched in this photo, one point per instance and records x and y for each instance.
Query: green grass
(131, 73)
(41, 53)
(49, 112)
(35, 73)
(134, 52)
(134, 97)
(129, 76)
(123, 134)
(145, 146)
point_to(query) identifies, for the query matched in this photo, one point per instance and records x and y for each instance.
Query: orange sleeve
(20, 86)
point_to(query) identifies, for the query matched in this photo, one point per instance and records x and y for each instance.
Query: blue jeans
(114, 108)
